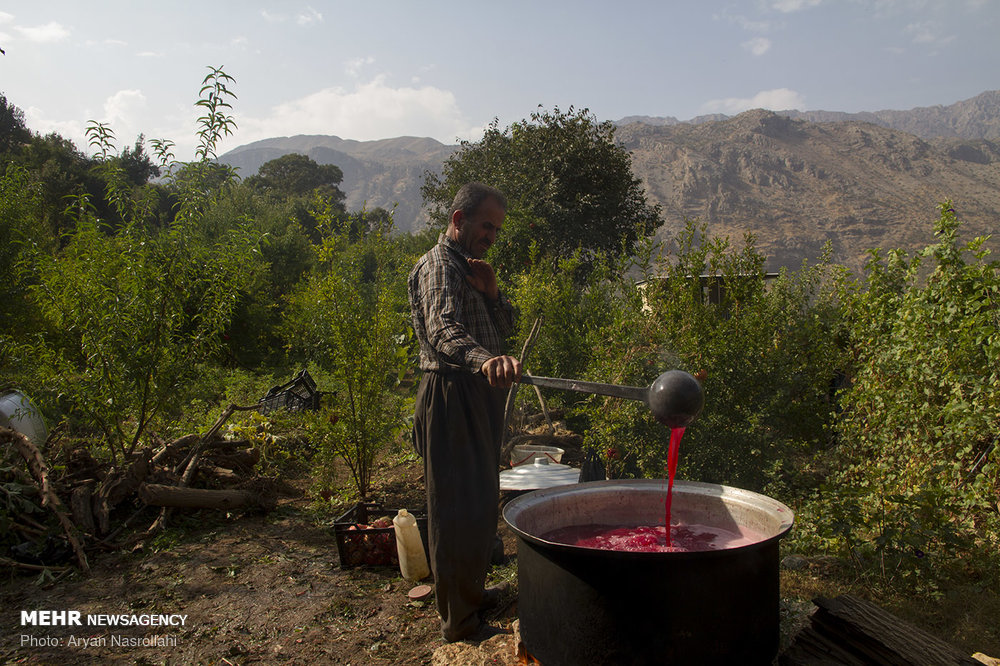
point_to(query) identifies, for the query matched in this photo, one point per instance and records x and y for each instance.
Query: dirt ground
(269, 589)
(254, 589)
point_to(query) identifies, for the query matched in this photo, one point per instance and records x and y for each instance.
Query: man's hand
(502, 371)
(483, 279)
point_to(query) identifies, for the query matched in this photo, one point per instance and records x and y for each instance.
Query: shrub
(915, 483)
(351, 318)
(766, 351)
(134, 312)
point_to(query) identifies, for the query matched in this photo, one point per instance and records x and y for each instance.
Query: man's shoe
(492, 596)
(485, 632)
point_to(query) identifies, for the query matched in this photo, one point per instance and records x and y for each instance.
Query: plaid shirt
(457, 326)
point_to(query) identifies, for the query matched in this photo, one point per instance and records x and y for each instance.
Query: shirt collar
(445, 240)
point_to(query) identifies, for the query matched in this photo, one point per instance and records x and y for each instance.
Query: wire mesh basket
(298, 394)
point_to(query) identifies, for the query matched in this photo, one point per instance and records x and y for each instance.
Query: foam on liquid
(653, 539)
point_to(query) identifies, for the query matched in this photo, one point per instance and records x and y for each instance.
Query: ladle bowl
(675, 398)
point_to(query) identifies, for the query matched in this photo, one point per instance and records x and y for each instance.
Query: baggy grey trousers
(457, 425)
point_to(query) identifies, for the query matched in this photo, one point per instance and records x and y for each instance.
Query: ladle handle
(628, 392)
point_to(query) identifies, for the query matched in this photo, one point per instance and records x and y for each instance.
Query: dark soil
(255, 589)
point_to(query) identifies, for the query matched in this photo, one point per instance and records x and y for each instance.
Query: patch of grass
(505, 573)
(167, 539)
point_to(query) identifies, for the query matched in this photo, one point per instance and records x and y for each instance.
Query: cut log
(119, 486)
(228, 445)
(79, 504)
(198, 498)
(190, 463)
(125, 485)
(849, 630)
(101, 513)
(30, 567)
(222, 474)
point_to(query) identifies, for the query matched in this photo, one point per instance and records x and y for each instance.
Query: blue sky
(373, 69)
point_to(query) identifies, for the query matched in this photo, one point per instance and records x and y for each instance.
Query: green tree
(295, 175)
(254, 336)
(351, 318)
(20, 230)
(62, 173)
(138, 165)
(13, 132)
(767, 351)
(569, 187)
(136, 311)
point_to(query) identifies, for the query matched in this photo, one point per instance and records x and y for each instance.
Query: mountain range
(793, 179)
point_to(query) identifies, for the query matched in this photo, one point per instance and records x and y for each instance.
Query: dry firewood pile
(54, 519)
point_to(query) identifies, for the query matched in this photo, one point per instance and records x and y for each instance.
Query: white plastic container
(412, 561)
(18, 413)
(527, 454)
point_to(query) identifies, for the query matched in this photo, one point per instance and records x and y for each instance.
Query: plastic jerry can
(412, 561)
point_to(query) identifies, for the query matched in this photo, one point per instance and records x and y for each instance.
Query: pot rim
(519, 505)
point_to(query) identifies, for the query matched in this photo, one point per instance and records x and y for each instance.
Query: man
(461, 319)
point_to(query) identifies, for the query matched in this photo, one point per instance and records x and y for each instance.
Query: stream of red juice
(675, 445)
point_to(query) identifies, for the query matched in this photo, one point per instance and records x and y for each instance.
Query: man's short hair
(472, 195)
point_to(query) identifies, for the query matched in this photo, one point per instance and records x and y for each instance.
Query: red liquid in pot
(649, 539)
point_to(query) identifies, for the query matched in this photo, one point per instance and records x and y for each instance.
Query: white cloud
(124, 113)
(788, 6)
(758, 45)
(309, 16)
(124, 107)
(73, 130)
(921, 33)
(5, 17)
(779, 99)
(370, 111)
(924, 33)
(45, 34)
(742, 21)
(353, 66)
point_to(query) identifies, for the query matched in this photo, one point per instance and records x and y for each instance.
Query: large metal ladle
(674, 399)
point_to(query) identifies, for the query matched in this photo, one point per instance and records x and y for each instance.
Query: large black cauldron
(585, 606)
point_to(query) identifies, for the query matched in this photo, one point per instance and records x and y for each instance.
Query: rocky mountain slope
(796, 184)
(793, 179)
(377, 174)
(974, 118)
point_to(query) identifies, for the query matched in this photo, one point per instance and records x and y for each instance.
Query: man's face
(477, 232)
